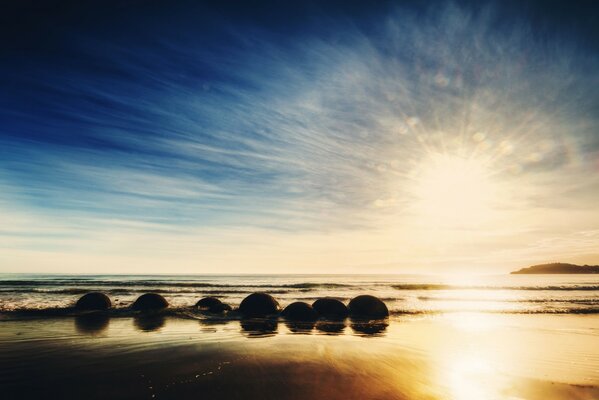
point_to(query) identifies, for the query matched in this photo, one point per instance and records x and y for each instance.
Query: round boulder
(213, 305)
(300, 311)
(330, 308)
(368, 307)
(258, 304)
(150, 301)
(93, 301)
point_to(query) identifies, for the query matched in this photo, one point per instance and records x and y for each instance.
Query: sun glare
(453, 191)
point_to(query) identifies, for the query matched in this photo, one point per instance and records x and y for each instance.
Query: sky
(317, 137)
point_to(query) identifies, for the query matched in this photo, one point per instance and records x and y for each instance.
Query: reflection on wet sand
(369, 328)
(258, 327)
(97, 323)
(210, 325)
(92, 323)
(300, 327)
(214, 321)
(149, 322)
(330, 327)
(456, 357)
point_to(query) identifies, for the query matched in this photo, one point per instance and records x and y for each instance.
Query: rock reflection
(369, 328)
(214, 321)
(149, 322)
(209, 325)
(304, 327)
(92, 323)
(255, 328)
(330, 327)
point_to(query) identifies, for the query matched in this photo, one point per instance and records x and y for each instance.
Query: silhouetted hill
(559, 268)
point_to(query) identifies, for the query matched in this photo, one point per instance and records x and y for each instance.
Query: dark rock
(367, 306)
(212, 305)
(330, 308)
(208, 303)
(150, 301)
(93, 301)
(300, 311)
(258, 304)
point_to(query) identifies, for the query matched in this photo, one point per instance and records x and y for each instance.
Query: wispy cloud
(322, 132)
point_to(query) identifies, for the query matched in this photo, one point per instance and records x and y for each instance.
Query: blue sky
(196, 138)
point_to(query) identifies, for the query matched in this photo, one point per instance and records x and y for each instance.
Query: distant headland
(559, 268)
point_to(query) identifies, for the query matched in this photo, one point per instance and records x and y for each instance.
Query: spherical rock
(300, 311)
(93, 301)
(213, 305)
(330, 308)
(150, 301)
(258, 304)
(368, 307)
(208, 303)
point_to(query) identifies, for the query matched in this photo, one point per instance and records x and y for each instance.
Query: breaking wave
(426, 286)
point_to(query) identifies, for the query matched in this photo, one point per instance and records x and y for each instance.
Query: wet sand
(454, 356)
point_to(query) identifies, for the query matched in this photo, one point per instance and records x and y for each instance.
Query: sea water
(403, 294)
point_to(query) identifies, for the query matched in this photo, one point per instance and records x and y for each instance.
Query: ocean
(403, 294)
(477, 337)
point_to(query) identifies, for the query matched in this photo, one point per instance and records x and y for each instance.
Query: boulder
(213, 305)
(300, 311)
(93, 301)
(367, 306)
(330, 308)
(258, 304)
(150, 301)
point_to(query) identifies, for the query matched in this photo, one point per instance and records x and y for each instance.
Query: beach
(299, 200)
(459, 356)
(488, 337)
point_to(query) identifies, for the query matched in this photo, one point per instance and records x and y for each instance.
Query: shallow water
(412, 294)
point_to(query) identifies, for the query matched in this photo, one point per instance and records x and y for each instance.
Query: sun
(452, 191)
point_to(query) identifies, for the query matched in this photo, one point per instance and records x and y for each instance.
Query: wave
(565, 311)
(435, 286)
(152, 283)
(585, 301)
(121, 291)
(16, 285)
(193, 312)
